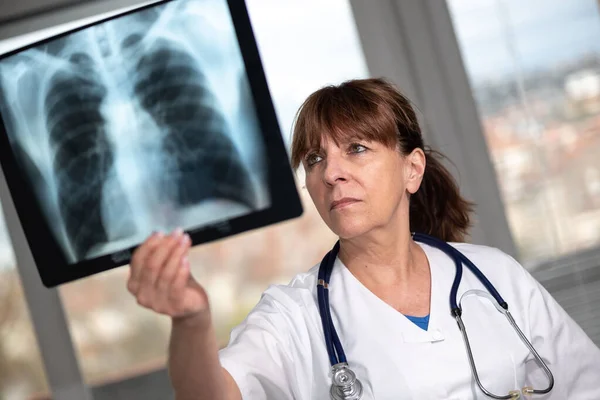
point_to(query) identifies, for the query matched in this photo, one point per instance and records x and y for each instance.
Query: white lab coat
(278, 352)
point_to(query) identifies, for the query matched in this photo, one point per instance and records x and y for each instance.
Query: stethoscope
(346, 386)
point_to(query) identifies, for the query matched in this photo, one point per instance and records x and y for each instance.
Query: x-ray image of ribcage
(81, 150)
(138, 124)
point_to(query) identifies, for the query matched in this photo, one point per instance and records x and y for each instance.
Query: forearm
(194, 366)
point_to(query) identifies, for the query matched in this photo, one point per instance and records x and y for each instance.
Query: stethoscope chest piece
(345, 385)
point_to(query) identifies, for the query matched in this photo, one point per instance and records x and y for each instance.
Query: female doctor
(383, 316)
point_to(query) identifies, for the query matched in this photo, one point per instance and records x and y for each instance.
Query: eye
(312, 159)
(357, 148)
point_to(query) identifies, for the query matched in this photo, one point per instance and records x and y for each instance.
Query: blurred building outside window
(534, 68)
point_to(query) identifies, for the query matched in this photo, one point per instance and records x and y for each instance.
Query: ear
(415, 168)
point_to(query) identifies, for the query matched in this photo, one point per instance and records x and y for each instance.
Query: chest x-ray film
(150, 120)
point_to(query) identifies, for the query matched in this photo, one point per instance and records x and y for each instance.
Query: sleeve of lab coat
(572, 357)
(259, 356)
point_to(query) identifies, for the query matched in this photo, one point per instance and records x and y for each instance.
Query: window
(534, 68)
(21, 368)
(304, 45)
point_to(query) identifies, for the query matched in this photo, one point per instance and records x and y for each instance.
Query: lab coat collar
(408, 332)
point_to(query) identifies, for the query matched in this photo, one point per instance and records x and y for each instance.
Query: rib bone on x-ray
(130, 133)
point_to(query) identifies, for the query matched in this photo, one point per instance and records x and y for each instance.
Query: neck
(392, 266)
(383, 256)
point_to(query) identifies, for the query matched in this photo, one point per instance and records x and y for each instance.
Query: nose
(335, 170)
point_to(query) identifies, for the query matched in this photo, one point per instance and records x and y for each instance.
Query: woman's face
(360, 186)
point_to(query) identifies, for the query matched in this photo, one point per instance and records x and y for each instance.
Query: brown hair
(373, 109)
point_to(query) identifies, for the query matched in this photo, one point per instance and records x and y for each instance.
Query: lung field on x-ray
(173, 89)
(83, 155)
(136, 138)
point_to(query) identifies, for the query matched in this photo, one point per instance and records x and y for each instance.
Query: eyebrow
(346, 141)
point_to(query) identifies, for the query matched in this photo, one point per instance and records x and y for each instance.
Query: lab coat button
(436, 335)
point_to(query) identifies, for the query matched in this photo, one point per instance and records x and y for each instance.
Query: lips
(343, 202)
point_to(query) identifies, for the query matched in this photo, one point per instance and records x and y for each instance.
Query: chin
(349, 229)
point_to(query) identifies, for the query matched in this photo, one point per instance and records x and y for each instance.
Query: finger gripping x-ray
(139, 123)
